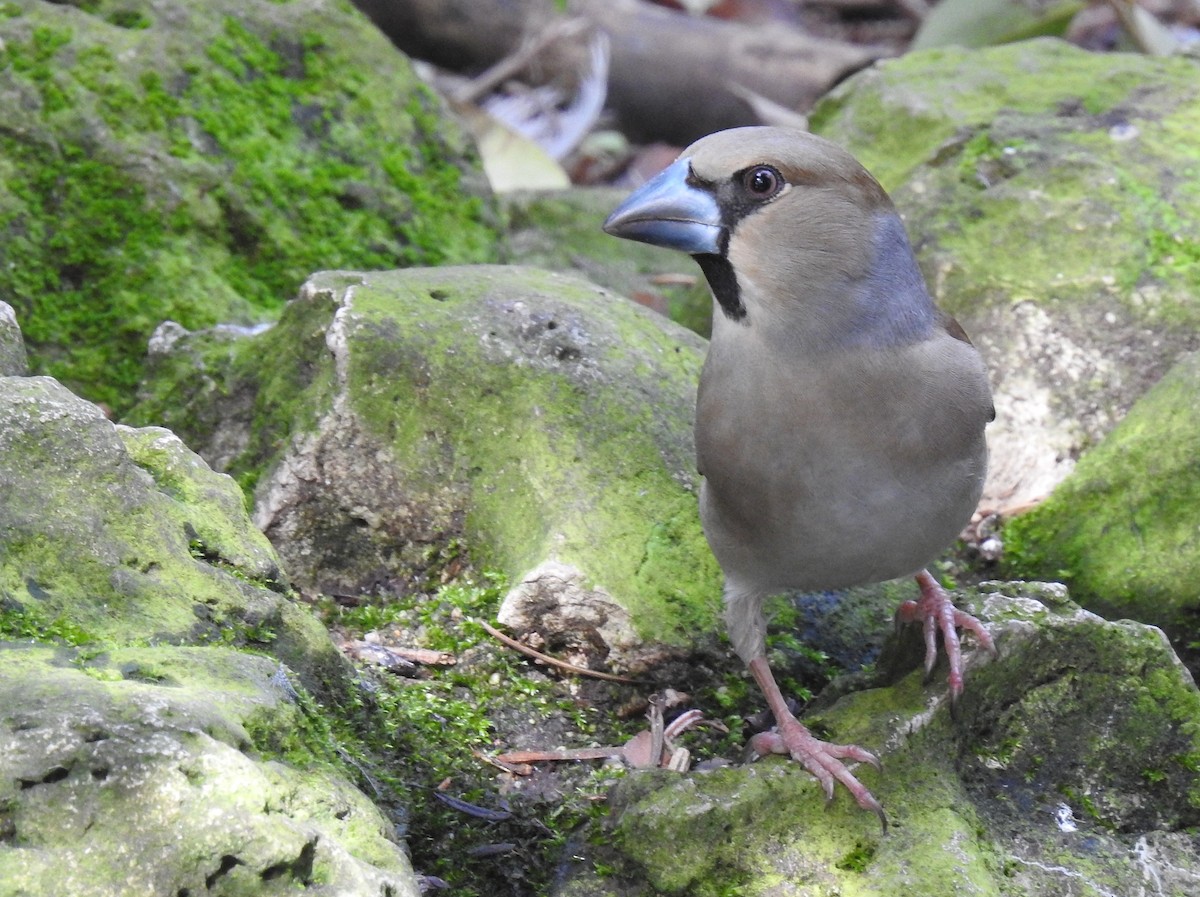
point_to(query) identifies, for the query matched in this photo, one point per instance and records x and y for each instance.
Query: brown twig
(517, 758)
(657, 736)
(519, 768)
(553, 661)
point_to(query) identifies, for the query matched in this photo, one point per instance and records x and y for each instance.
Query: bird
(840, 414)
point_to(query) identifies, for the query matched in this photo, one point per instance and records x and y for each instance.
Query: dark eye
(762, 181)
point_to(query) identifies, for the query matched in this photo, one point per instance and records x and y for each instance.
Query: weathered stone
(128, 537)
(1073, 767)
(151, 771)
(196, 161)
(1052, 198)
(13, 361)
(1122, 529)
(392, 420)
(555, 599)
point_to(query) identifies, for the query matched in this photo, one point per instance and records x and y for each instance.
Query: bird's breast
(828, 472)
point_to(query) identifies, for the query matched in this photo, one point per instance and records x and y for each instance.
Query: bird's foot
(937, 613)
(822, 759)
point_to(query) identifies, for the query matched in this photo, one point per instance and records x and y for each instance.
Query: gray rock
(13, 361)
(130, 538)
(150, 771)
(127, 769)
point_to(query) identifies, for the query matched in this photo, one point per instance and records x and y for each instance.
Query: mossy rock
(1051, 195)
(1122, 529)
(396, 425)
(121, 536)
(196, 161)
(156, 771)
(13, 360)
(1072, 768)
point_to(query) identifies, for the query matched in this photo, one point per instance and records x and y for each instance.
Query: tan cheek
(755, 250)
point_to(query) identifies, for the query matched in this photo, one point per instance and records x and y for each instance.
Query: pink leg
(937, 613)
(820, 758)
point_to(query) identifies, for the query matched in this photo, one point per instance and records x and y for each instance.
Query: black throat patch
(723, 281)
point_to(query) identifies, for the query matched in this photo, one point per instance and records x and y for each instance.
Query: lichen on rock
(133, 539)
(149, 771)
(1122, 529)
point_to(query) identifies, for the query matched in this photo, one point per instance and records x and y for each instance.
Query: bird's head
(786, 226)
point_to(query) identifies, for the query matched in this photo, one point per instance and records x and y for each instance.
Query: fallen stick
(553, 661)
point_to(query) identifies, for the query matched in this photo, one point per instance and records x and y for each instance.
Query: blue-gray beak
(668, 211)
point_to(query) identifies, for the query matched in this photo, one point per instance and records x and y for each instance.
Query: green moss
(858, 858)
(74, 205)
(162, 179)
(1121, 529)
(1037, 77)
(25, 621)
(130, 18)
(308, 741)
(249, 102)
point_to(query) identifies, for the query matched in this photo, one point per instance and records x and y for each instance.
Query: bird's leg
(936, 612)
(822, 759)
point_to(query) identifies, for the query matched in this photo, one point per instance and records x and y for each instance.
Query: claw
(937, 614)
(930, 629)
(964, 620)
(822, 759)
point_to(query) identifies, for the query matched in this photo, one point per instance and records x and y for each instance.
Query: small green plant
(858, 859)
(22, 622)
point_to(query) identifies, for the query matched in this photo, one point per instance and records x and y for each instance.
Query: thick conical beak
(668, 211)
